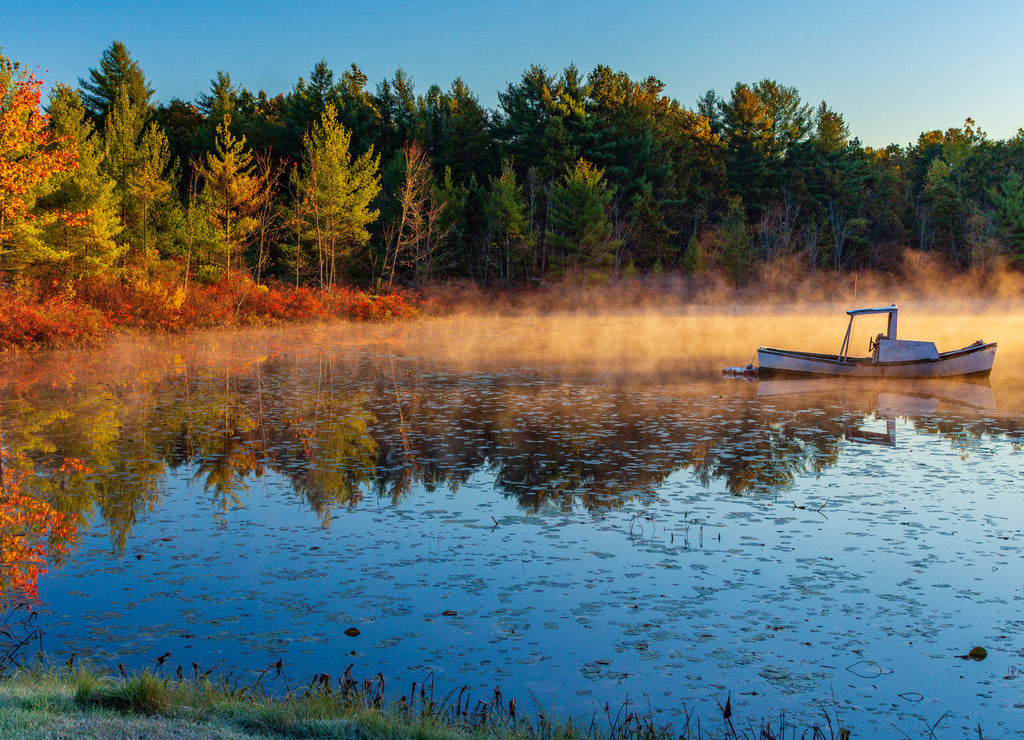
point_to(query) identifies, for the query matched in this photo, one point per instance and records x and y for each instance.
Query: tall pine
(232, 190)
(85, 239)
(335, 191)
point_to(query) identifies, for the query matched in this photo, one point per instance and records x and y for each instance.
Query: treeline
(572, 176)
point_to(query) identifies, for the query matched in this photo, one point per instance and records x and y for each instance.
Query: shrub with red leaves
(89, 310)
(54, 321)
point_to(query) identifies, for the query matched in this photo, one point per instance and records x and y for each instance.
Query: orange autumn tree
(30, 154)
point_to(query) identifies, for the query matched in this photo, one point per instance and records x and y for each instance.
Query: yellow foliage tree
(233, 190)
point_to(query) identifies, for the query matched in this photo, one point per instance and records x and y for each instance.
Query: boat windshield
(890, 332)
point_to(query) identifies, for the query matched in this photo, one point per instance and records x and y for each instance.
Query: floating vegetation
(977, 654)
(579, 535)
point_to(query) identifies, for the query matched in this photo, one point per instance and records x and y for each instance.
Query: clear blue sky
(892, 69)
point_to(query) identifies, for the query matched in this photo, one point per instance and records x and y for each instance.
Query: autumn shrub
(276, 303)
(209, 305)
(26, 320)
(363, 306)
(134, 303)
(86, 311)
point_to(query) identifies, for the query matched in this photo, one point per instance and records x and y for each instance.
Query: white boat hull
(974, 360)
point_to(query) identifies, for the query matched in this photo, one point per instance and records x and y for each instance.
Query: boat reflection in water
(866, 401)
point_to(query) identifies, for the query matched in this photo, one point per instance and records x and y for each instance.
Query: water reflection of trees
(765, 451)
(341, 431)
(33, 534)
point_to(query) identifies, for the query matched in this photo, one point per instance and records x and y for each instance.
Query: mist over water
(575, 507)
(690, 342)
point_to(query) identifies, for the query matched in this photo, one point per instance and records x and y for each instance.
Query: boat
(890, 357)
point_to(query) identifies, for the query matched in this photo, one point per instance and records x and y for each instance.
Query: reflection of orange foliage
(304, 433)
(32, 534)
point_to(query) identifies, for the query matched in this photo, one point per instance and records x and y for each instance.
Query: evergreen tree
(510, 226)
(117, 72)
(187, 135)
(536, 119)
(401, 121)
(752, 149)
(831, 134)
(580, 236)
(335, 191)
(737, 252)
(634, 134)
(456, 132)
(138, 159)
(1008, 199)
(150, 187)
(357, 111)
(232, 189)
(88, 239)
(222, 100)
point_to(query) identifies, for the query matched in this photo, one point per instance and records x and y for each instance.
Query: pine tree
(221, 101)
(150, 186)
(508, 222)
(581, 233)
(118, 72)
(1008, 200)
(232, 189)
(336, 191)
(138, 159)
(86, 236)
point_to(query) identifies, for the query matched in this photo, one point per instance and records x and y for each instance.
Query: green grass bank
(80, 704)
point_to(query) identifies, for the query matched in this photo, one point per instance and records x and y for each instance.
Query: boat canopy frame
(890, 332)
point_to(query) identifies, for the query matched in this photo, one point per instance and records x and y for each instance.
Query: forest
(114, 199)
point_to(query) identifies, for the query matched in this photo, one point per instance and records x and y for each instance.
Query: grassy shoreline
(83, 704)
(80, 703)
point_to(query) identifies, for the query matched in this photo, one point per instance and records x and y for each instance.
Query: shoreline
(80, 703)
(97, 312)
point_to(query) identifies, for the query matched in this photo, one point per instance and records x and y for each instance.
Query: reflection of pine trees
(761, 450)
(341, 431)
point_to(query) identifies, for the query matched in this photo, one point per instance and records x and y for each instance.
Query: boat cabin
(885, 347)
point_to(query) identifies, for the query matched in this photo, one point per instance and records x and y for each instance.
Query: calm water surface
(490, 509)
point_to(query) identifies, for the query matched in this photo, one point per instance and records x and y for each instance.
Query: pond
(579, 510)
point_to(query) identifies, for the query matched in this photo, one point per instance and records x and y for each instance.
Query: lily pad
(977, 653)
(352, 632)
